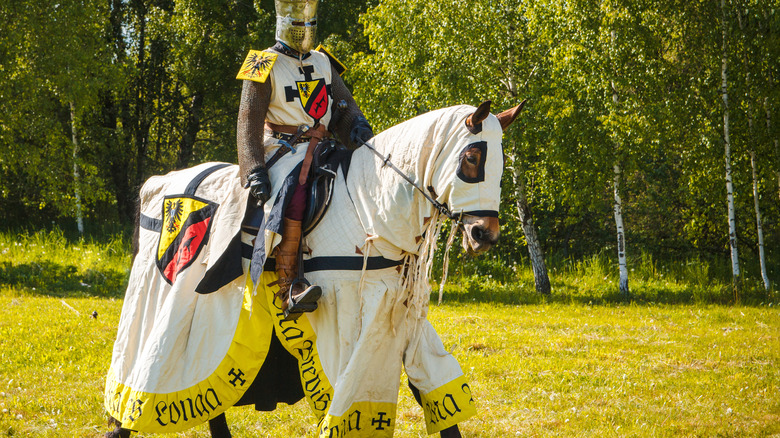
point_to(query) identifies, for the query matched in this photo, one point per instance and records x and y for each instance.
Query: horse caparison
(218, 426)
(471, 143)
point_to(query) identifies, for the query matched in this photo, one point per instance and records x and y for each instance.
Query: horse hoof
(118, 433)
(451, 432)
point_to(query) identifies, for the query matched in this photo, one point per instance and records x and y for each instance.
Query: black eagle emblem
(304, 90)
(256, 64)
(173, 211)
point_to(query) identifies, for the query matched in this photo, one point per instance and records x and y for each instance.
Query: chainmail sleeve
(255, 98)
(344, 119)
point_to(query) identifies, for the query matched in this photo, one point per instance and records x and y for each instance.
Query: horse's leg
(218, 427)
(450, 432)
(118, 431)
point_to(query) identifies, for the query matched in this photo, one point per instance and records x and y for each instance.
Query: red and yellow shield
(186, 223)
(314, 97)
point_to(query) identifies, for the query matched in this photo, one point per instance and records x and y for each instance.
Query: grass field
(551, 368)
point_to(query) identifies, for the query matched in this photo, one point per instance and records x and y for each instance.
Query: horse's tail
(136, 227)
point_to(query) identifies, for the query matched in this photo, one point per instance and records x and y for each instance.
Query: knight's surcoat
(301, 91)
(290, 91)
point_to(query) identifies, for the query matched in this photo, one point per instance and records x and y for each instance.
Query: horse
(371, 252)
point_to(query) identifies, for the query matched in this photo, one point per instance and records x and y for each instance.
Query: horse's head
(474, 188)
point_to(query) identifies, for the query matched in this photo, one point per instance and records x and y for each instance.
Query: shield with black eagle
(186, 224)
(314, 97)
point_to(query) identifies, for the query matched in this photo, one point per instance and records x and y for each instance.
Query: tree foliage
(634, 82)
(614, 81)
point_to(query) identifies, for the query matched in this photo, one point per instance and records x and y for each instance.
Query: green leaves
(632, 81)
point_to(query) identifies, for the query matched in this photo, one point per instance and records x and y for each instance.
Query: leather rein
(317, 133)
(457, 218)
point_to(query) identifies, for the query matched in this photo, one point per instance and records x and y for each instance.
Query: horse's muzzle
(479, 233)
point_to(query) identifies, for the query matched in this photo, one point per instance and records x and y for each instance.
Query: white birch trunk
(759, 228)
(535, 252)
(76, 172)
(621, 237)
(727, 147)
(754, 164)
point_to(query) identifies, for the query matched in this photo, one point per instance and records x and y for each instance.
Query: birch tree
(61, 54)
(727, 151)
(621, 242)
(535, 250)
(618, 206)
(746, 48)
(76, 171)
(458, 63)
(609, 53)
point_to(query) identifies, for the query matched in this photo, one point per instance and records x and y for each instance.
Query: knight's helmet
(296, 23)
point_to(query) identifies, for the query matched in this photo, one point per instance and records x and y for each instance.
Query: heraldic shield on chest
(311, 93)
(301, 86)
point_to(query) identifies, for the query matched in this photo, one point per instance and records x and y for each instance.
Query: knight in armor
(293, 96)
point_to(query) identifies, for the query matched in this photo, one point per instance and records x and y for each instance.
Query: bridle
(456, 218)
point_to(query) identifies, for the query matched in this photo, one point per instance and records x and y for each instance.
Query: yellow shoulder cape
(334, 62)
(257, 65)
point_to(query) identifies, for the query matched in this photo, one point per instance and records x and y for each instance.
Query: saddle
(328, 156)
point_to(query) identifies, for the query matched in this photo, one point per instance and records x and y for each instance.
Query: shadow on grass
(53, 279)
(474, 290)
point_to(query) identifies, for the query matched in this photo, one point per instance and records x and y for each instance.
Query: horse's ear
(474, 120)
(507, 117)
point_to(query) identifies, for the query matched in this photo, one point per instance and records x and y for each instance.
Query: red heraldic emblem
(314, 98)
(186, 224)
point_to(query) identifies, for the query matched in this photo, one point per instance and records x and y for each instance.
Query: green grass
(549, 367)
(594, 280)
(46, 263)
(578, 370)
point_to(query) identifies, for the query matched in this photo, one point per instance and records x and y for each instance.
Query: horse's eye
(471, 168)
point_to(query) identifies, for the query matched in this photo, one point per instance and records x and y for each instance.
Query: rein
(443, 209)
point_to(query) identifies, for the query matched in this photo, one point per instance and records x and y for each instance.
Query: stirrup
(303, 302)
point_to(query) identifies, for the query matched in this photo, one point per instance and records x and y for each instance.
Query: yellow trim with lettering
(299, 339)
(448, 405)
(261, 313)
(181, 410)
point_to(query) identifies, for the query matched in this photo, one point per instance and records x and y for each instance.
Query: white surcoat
(301, 90)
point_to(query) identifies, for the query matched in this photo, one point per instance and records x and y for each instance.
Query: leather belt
(287, 132)
(314, 135)
(287, 137)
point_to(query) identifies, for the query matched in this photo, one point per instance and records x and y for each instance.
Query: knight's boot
(297, 295)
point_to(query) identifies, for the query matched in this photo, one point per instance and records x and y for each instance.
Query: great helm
(296, 23)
